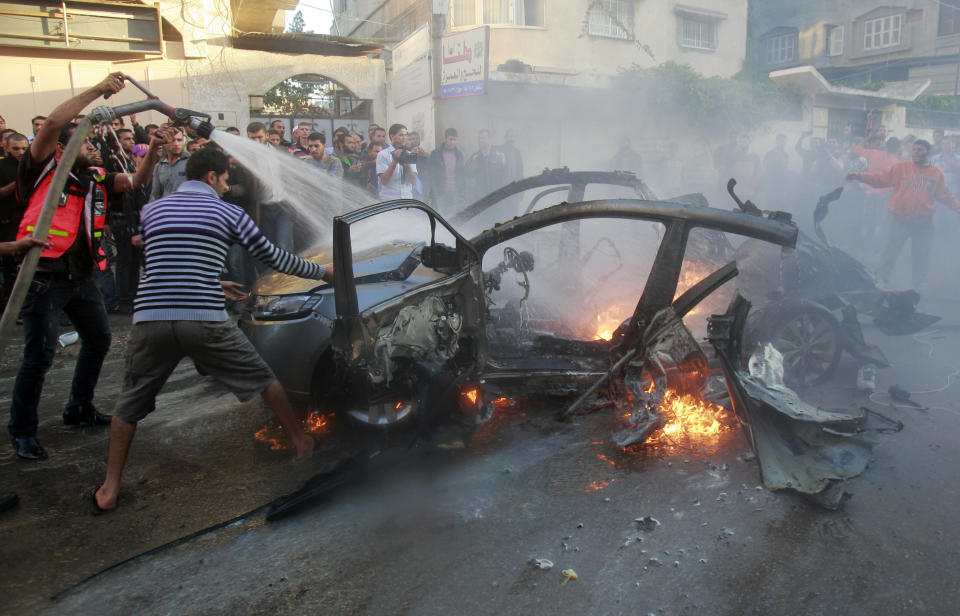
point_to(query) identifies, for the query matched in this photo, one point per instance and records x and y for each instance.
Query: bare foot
(104, 500)
(304, 444)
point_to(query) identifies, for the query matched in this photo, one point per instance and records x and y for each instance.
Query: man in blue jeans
(66, 277)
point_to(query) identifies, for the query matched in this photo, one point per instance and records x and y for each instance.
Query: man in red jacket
(917, 185)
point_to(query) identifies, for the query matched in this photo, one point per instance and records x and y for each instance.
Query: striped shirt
(186, 236)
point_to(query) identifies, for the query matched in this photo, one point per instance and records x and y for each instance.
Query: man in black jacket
(447, 176)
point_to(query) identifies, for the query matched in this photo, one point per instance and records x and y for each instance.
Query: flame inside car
(609, 319)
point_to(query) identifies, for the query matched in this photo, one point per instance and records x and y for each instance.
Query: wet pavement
(454, 532)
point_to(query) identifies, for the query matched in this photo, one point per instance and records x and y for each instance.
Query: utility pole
(437, 28)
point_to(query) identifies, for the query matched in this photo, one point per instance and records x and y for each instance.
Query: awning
(300, 43)
(809, 79)
(694, 11)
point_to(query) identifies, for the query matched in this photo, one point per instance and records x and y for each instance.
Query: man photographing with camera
(396, 167)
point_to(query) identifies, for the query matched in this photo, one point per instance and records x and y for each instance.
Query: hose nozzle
(103, 115)
(201, 126)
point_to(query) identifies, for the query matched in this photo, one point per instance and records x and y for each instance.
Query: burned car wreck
(409, 333)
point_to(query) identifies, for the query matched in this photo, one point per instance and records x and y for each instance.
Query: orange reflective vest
(88, 201)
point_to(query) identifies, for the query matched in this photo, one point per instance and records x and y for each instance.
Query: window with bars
(609, 17)
(496, 12)
(949, 18)
(698, 33)
(781, 49)
(882, 32)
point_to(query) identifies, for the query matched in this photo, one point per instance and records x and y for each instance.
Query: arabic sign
(464, 68)
(412, 77)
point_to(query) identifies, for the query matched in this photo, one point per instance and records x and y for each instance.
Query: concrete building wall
(202, 72)
(943, 78)
(562, 44)
(225, 85)
(417, 115)
(35, 85)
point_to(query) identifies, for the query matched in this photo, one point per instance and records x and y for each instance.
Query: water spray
(199, 122)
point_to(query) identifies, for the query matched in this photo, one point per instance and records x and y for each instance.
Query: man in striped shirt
(180, 309)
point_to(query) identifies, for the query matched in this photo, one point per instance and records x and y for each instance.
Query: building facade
(858, 41)
(208, 56)
(549, 67)
(899, 49)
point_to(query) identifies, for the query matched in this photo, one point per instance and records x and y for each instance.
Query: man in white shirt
(396, 176)
(36, 122)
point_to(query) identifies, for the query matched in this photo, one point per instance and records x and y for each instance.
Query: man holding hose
(180, 309)
(65, 280)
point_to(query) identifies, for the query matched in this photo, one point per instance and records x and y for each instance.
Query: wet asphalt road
(453, 532)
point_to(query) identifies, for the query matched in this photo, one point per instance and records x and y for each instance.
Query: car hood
(370, 262)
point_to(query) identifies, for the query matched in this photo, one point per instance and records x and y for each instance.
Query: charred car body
(408, 326)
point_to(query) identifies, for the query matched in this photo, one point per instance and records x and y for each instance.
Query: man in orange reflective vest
(66, 280)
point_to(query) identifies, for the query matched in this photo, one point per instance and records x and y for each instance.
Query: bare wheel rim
(809, 343)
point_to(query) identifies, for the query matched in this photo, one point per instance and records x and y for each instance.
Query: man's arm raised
(45, 141)
(124, 181)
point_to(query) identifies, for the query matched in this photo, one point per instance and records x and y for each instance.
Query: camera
(407, 157)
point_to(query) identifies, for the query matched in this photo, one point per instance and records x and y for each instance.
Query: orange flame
(596, 486)
(264, 435)
(314, 423)
(607, 321)
(471, 395)
(692, 423)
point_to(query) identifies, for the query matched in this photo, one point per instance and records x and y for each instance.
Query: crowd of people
(393, 163)
(385, 164)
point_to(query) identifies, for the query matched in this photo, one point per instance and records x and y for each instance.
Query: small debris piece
(749, 456)
(647, 523)
(606, 499)
(725, 533)
(654, 562)
(580, 525)
(568, 574)
(542, 563)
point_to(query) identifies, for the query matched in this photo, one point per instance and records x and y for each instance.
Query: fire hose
(200, 122)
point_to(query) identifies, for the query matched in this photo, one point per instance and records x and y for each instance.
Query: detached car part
(798, 446)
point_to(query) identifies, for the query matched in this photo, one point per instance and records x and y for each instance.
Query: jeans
(82, 302)
(277, 224)
(127, 271)
(240, 267)
(920, 233)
